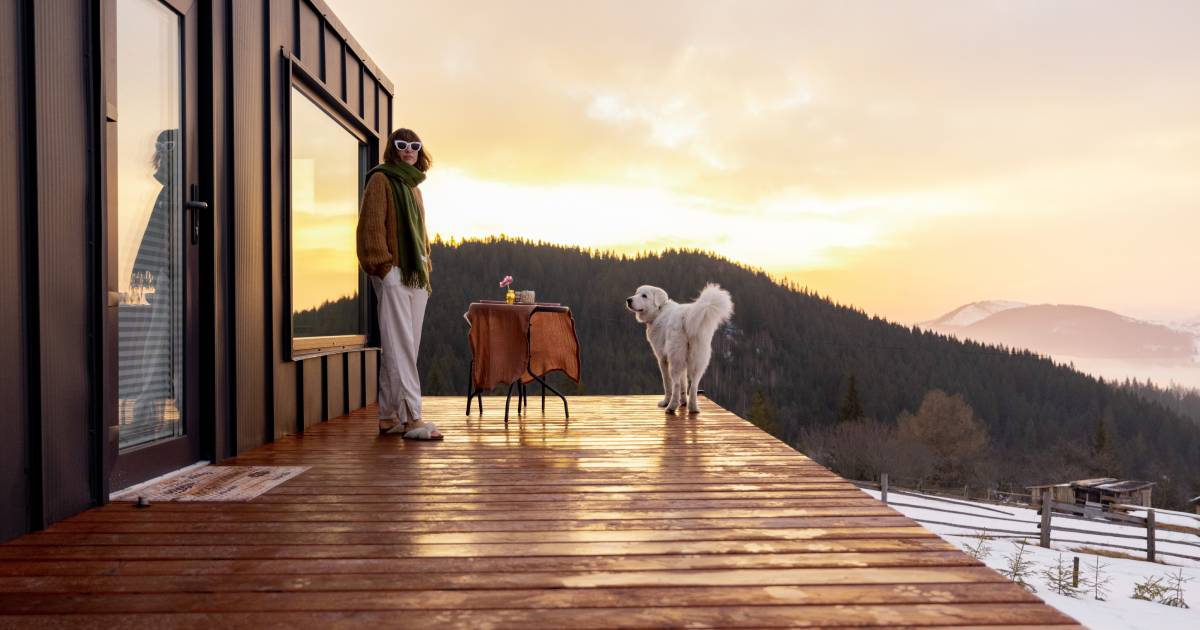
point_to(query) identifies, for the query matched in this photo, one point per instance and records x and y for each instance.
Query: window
(149, 210)
(327, 288)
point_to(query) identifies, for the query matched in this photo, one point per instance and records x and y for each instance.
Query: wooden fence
(1049, 509)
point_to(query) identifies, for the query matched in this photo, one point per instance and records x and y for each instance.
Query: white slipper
(424, 432)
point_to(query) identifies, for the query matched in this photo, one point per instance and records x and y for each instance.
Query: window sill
(309, 347)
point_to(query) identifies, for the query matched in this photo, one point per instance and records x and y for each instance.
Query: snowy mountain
(1097, 341)
(969, 314)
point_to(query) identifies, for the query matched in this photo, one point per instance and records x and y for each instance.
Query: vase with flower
(510, 296)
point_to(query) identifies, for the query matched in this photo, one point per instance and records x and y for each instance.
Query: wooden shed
(1105, 491)
(1060, 492)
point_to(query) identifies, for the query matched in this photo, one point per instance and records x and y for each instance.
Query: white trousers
(401, 314)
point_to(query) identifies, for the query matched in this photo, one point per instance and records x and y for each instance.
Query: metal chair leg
(508, 399)
(470, 385)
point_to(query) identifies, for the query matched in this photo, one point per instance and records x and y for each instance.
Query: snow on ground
(959, 523)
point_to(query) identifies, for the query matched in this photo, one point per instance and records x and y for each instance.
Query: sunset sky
(903, 157)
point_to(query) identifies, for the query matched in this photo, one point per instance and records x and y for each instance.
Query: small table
(507, 347)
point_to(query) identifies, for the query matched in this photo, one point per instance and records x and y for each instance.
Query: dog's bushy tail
(713, 308)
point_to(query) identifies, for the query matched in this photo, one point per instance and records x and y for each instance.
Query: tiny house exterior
(172, 284)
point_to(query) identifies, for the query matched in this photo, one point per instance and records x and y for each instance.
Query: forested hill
(791, 354)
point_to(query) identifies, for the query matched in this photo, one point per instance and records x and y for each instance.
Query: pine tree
(851, 407)
(1151, 589)
(762, 413)
(1099, 582)
(1174, 594)
(1019, 568)
(1060, 578)
(982, 547)
(1100, 444)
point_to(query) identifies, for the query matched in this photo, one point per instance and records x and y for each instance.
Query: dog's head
(646, 302)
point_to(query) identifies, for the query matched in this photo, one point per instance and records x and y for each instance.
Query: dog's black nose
(629, 301)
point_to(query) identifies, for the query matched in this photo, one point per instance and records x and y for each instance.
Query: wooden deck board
(622, 517)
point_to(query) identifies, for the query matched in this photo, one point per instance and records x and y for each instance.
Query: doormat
(215, 483)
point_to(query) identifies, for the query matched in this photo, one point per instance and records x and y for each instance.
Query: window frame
(304, 81)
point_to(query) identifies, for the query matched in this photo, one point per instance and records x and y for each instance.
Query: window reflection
(149, 223)
(325, 191)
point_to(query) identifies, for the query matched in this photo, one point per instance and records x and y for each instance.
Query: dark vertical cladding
(354, 388)
(58, 209)
(313, 395)
(353, 84)
(335, 379)
(14, 482)
(369, 99)
(63, 137)
(333, 64)
(248, 155)
(309, 46)
(371, 375)
(214, 387)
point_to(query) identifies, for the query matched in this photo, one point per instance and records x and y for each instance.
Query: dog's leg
(666, 379)
(678, 382)
(697, 364)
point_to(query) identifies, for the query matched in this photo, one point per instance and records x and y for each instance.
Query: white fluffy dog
(681, 337)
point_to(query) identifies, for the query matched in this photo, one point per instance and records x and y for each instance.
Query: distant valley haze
(1096, 341)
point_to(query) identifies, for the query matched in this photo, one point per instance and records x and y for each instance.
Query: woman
(393, 248)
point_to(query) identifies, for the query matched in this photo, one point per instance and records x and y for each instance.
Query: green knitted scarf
(410, 226)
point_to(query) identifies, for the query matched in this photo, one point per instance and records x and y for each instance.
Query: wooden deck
(623, 517)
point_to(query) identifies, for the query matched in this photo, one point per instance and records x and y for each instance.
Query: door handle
(196, 207)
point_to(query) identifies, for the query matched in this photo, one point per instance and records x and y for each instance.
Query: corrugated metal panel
(332, 22)
(281, 372)
(314, 391)
(61, 40)
(369, 100)
(285, 399)
(353, 84)
(354, 383)
(335, 385)
(248, 197)
(371, 375)
(333, 64)
(216, 256)
(13, 422)
(309, 46)
(384, 112)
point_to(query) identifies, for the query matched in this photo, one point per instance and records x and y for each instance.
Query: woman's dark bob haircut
(392, 156)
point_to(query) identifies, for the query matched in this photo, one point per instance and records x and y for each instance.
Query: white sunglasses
(402, 145)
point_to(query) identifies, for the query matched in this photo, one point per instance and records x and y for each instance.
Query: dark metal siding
(309, 47)
(371, 375)
(314, 393)
(335, 380)
(215, 177)
(369, 100)
(285, 399)
(14, 421)
(249, 194)
(354, 84)
(49, 302)
(382, 108)
(61, 46)
(333, 64)
(354, 382)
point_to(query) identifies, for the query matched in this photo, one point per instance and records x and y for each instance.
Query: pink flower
(506, 281)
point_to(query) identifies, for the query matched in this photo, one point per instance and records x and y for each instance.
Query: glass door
(151, 246)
